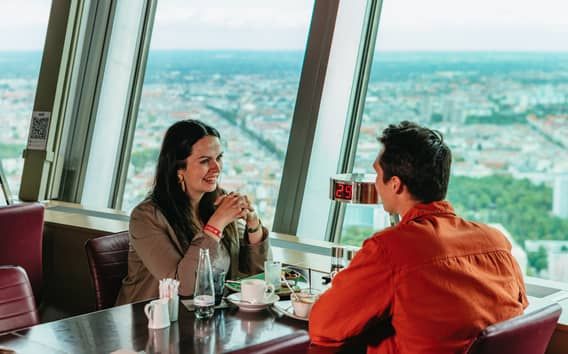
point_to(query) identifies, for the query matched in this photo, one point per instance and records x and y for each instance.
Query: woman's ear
(181, 182)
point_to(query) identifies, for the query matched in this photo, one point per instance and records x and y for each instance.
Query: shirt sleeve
(361, 292)
(150, 240)
(252, 257)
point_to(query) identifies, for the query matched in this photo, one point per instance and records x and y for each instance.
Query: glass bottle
(204, 293)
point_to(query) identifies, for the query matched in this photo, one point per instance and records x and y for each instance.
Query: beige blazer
(155, 254)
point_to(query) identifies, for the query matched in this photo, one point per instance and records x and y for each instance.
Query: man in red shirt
(434, 281)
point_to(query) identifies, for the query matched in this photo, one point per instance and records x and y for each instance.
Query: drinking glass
(272, 271)
(219, 283)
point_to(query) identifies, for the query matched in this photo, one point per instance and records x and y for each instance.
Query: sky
(506, 25)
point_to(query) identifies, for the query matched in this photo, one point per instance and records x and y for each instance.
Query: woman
(185, 211)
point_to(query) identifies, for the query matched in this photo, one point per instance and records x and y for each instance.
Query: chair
(17, 304)
(108, 263)
(294, 343)
(525, 334)
(21, 241)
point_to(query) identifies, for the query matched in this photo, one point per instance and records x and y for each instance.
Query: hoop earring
(181, 184)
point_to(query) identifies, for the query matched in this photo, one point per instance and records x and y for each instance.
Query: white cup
(303, 302)
(173, 306)
(158, 313)
(256, 291)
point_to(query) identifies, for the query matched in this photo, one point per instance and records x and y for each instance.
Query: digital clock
(343, 191)
(356, 188)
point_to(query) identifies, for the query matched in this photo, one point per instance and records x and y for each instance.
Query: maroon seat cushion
(108, 263)
(294, 343)
(21, 238)
(525, 334)
(17, 304)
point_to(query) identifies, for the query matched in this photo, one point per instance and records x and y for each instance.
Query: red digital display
(343, 191)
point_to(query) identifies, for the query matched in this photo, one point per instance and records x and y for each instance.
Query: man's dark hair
(419, 157)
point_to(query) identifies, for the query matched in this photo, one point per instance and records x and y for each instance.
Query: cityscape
(504, 115)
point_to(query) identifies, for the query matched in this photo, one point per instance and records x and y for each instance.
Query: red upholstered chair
(21, 239)
(294, 343)
(525, 334)
(17, 304)
(108, 263)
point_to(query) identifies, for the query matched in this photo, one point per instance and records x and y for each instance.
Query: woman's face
(203, 167)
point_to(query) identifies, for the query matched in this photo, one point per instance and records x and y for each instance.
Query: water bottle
(204, 294)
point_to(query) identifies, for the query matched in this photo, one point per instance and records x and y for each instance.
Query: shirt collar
(422, 209)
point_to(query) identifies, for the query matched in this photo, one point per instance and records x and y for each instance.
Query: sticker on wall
(39, 130)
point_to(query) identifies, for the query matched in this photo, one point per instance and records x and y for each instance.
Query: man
(434, 280)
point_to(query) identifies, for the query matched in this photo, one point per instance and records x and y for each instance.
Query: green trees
(522, 207)
(355, 235)
(538, 260)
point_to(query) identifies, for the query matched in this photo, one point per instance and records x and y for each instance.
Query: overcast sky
(526, 25)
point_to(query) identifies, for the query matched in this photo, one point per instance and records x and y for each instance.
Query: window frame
(304, 122)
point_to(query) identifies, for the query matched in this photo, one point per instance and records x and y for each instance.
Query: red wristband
(215, 231)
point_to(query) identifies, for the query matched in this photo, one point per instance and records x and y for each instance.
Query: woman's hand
(230, 207)
(253, 223)
(234, 206)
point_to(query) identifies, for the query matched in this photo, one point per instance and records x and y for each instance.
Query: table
(125, 327)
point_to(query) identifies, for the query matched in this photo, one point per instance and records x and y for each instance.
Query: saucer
(235, 299)
(285, 307)
(297, 284)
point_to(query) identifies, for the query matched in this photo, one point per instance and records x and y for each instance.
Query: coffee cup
(158, 313)
(303, 302)
(256, 291)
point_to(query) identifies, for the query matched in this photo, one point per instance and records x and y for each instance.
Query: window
(114, 96)
(492, 77)
(23, 25)
(234, 67)
(336, 108)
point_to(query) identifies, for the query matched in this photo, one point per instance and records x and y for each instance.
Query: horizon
(272, 50)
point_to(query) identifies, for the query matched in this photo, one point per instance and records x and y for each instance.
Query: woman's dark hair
(167, 194)
(419, 157)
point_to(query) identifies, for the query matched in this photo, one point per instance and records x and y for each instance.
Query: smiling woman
(186, 211)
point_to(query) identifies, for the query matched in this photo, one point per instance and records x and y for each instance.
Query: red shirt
(437, 278)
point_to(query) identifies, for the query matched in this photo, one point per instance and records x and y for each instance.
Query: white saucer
(285, 307)
(235, 299)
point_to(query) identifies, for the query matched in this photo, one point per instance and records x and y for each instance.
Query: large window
(493, 78)
(234, 65)
(23, 26)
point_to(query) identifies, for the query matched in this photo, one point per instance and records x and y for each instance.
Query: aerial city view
(504, 115)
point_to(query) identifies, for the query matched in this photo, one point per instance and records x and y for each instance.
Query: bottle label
(204, 300)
